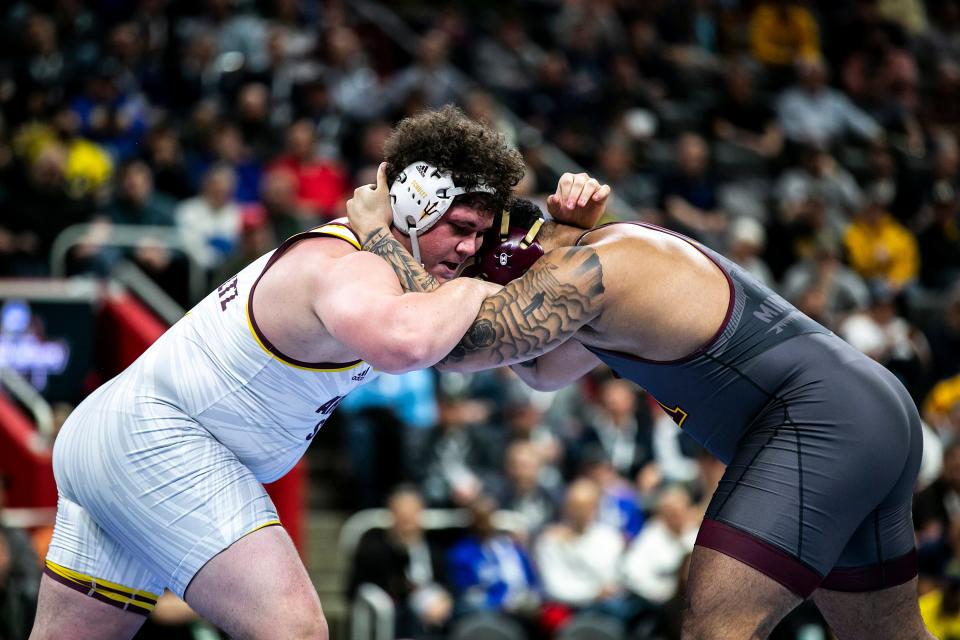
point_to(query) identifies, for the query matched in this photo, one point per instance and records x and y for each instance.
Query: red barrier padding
(126, 328)
(25, 460)
(289, 496)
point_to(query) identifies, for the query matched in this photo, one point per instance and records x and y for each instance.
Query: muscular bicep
(532, 315)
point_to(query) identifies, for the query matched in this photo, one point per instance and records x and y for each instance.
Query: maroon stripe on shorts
(134, 606)
(873, 577)
(769, 560)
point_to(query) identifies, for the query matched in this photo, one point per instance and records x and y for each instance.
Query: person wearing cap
(160, 470)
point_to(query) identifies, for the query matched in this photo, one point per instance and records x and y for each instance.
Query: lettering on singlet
(772, 308)
(324, 410)
(227, 292)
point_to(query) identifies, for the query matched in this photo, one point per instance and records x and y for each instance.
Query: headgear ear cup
(420, 196)
(508, 251)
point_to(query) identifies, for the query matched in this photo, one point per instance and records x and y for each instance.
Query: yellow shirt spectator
(782, 33)
(941, 400)
(89, 166)
(941, 625)
(880, 247)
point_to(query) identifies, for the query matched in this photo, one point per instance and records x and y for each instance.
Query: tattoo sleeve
(532, 315)
(412, 275)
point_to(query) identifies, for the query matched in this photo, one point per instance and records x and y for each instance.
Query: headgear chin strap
(420, 196)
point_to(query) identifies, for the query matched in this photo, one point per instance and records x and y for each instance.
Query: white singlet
(161, 468)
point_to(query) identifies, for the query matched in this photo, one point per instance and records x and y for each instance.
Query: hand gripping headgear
(507, 251)
(420, 196)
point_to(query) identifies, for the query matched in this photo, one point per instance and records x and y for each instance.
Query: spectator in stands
(506, 60)
(615, 166)
(899, 187)
(489, 571)
(38, 209)
(813, 113)
(818, 192)
(137, 202)
(322, 184)
(744, 121)
(940, 607)
(941, 409)
(432, 75)
(620, 501)
(404, 561)
(653, 559)
(689, 194)
(456, 462)
(278, 200)
(210, 222)
(256, 239)
(40, 68)
(620, 428)
(843, 289)
(524, 422)
(89, 167)
(783, 32)
(939, 240)
(164, 155)
(580, 558)
(747, 240)
(387, 421)
(226, 146)
(253, 120)
(888, 338)
(879, 248)
(524, 491)
(110, 114)
(353, 84)
(944, 338)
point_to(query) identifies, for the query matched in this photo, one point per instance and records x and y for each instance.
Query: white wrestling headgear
(420, 196)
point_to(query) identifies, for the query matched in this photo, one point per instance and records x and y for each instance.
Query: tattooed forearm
(412, 275)
(532, 315)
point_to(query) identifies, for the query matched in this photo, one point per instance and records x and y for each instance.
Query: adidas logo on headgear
(422, 169)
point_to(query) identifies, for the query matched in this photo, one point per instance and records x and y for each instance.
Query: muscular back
(663, 297)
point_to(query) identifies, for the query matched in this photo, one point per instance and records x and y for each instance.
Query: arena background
(151, 148)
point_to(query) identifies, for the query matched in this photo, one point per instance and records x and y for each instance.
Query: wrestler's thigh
(258, 588)
(887, 614)
(63, 612)
(728, 599)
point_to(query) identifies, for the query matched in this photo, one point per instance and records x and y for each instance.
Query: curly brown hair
(451, 141)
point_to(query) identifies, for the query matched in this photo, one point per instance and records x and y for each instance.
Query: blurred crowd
(815, 143)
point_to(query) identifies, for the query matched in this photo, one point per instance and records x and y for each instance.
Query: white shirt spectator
(210, 232)
(577, 568)
(651, 563)
(821, 117)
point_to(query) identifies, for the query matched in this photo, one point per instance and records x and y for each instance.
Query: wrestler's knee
(307, 624)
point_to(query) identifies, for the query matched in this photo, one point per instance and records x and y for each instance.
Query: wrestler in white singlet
(161, 468)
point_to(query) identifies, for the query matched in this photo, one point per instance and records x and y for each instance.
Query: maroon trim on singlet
(87, 591)
(283, 248)
(726, 318)
(769, 560)
(890, 573)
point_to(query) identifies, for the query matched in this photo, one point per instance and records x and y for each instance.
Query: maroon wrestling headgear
(509, 247)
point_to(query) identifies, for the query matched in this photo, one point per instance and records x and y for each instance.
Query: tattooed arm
(558, 368)
(534, 314)
(412, 275)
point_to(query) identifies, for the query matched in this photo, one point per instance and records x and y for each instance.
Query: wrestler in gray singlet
(822, 444)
